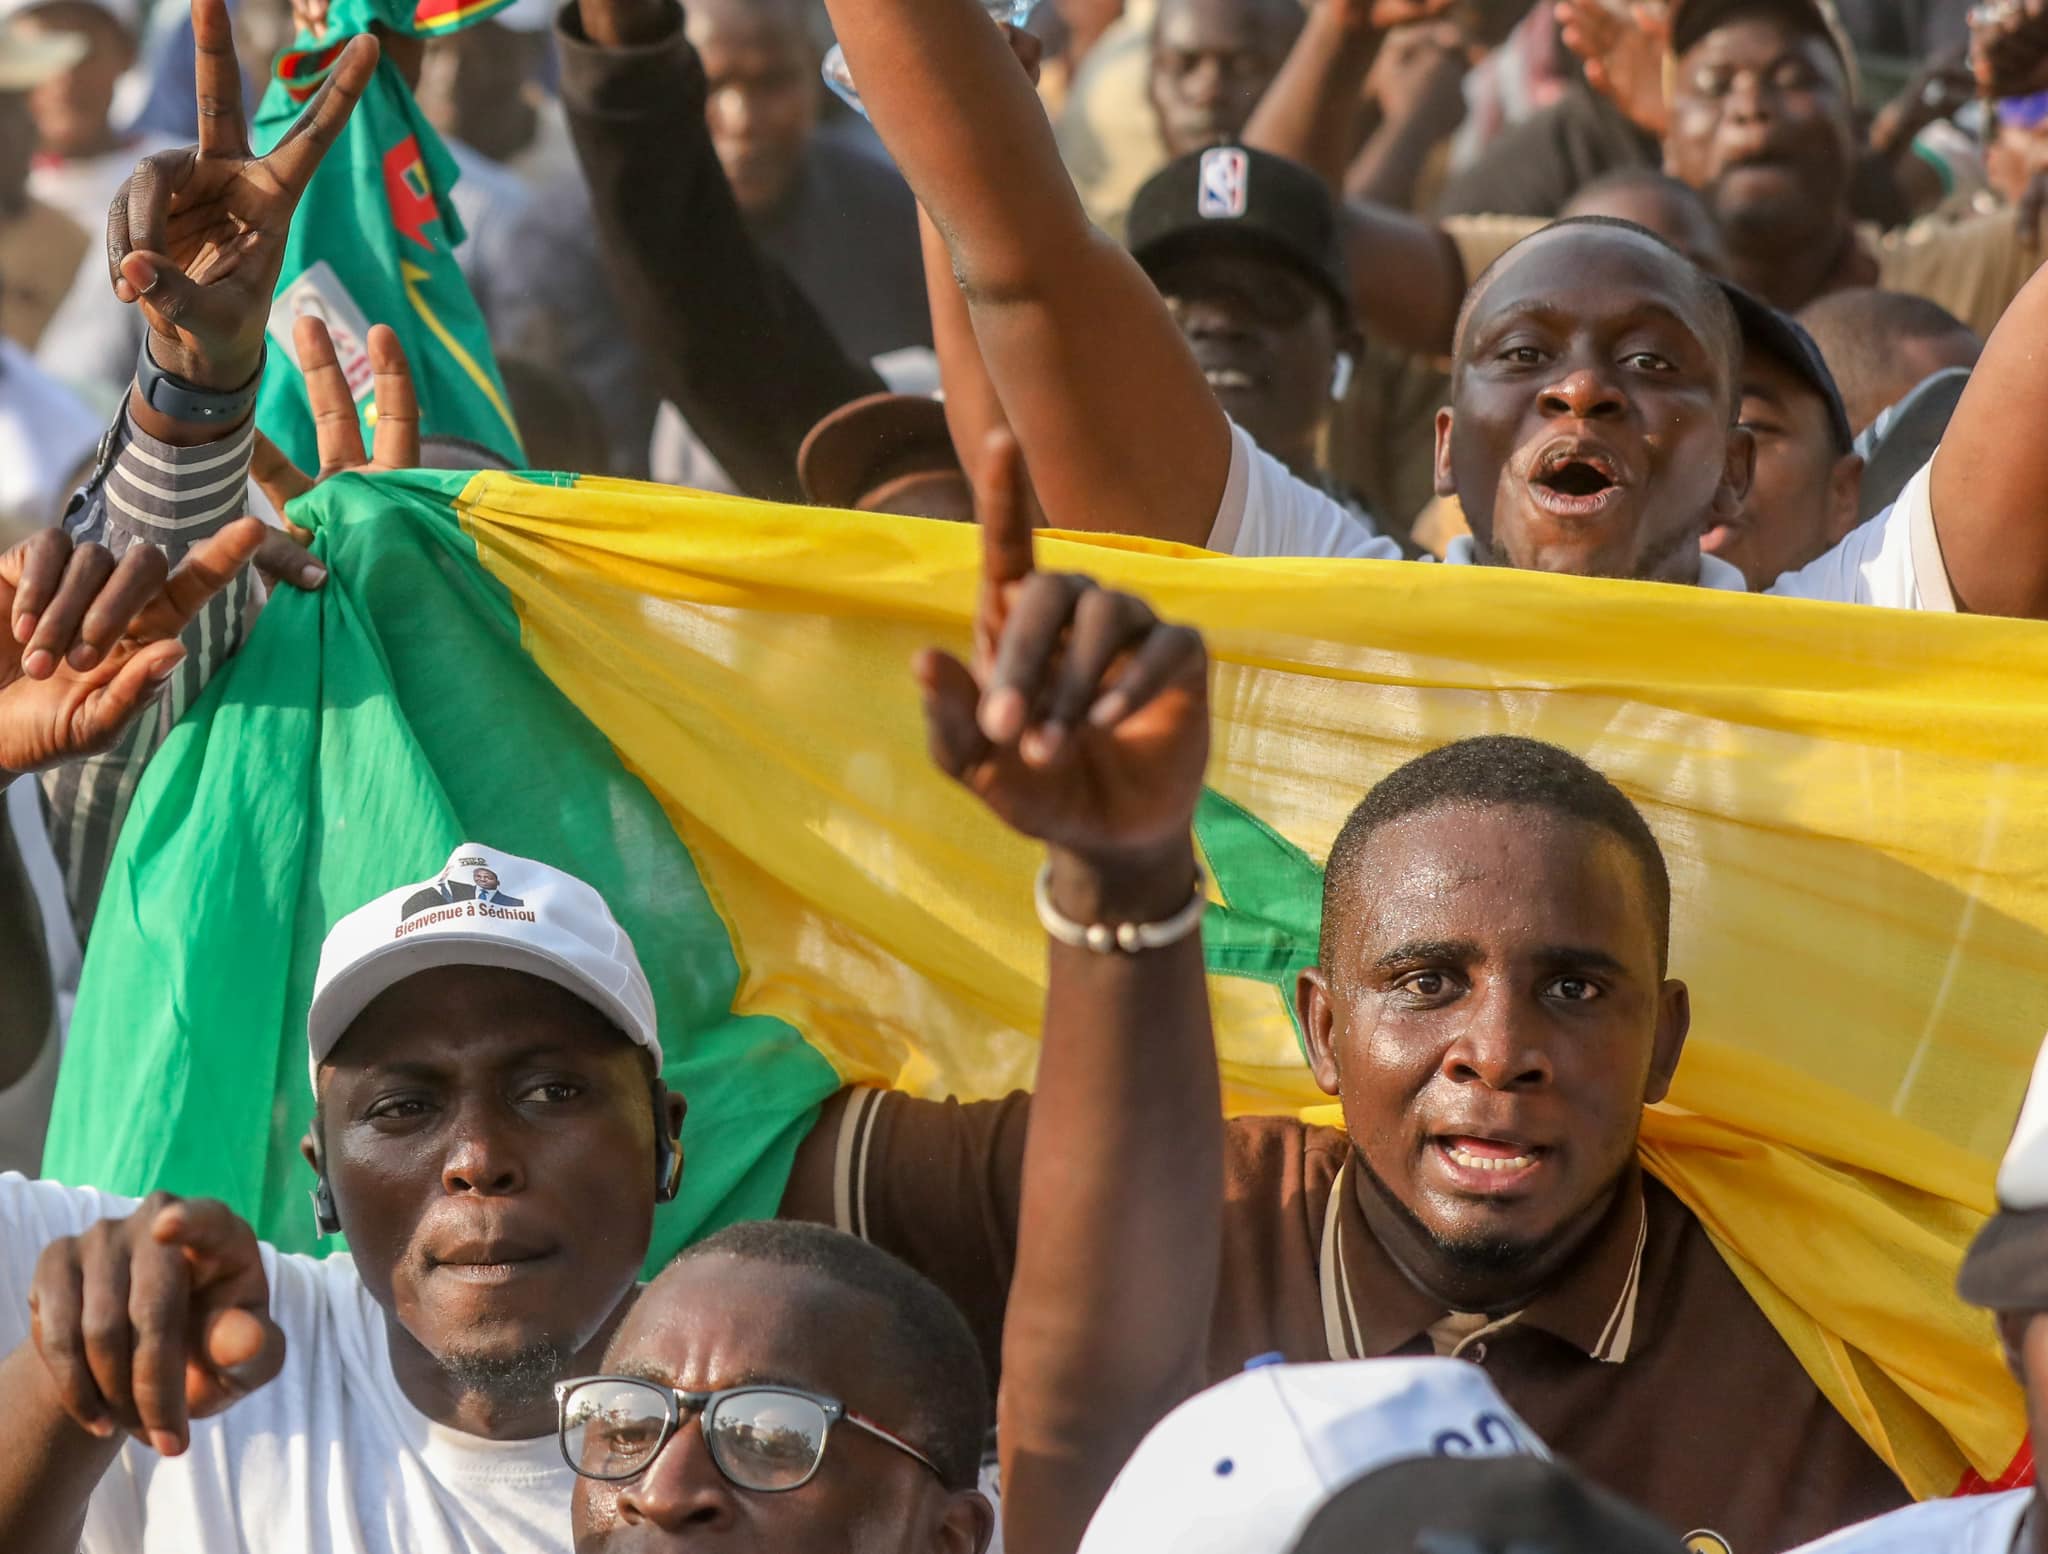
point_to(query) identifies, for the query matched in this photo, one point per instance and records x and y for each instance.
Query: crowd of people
(1736, 294)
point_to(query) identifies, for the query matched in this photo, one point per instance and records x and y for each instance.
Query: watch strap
(173, 396)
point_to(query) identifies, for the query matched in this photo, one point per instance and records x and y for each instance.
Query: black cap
(1235, 195)
(2006, 1268)
(1481, 1505)
(1692, 20)
(1785, 341)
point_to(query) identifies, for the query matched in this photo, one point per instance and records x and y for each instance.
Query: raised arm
(972, 409)
(1988, 476)
(1405, 273)
(1116, 421)
(1084, 723)
(175, 485)
(729, 338)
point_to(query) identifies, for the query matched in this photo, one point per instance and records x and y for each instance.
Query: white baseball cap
(29, 58)
(125, 13)
(1243, 1467)
(535, 919)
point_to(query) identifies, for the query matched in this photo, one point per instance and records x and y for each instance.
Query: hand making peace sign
(197, 235)
(1084, 721)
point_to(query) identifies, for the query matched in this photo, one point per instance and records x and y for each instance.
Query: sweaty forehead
(1505, 878)
(715, 1322)
(473, 1017)
(1591, 271)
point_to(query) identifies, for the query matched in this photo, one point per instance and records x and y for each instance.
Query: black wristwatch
(170, 395)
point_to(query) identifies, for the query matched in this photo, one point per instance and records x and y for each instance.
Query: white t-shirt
(1893, 560)
(329, 1458)
(1973, 1524)
(1268, 510)
(47, 438)
(83, 186)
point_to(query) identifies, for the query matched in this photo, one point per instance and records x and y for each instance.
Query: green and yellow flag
(702, 706)
(373, 241)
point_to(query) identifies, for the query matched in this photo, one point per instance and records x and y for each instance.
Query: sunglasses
(764, 1438)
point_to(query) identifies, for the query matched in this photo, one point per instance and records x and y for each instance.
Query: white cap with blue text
(484, 908)
(1244, 1466)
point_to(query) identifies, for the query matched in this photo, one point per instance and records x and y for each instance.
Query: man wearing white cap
(2006, 1272)
(492, 1134)
(1377, 1454)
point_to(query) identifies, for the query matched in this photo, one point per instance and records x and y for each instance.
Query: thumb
(244, 1348)
(170, 299)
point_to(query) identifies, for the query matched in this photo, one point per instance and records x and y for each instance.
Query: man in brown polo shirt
(1493, 1011)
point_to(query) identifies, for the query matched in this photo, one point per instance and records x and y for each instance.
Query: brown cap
(1692, 20)
(870, 449)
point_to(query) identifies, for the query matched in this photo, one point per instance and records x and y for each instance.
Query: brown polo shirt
(1646, 1365)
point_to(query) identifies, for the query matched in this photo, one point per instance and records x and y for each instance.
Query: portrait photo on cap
(483, 907)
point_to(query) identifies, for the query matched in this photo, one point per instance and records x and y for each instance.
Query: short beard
(1478, 1260)
(507, 1381)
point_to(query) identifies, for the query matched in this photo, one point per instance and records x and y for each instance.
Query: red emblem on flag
(410, 194)
(303, 70)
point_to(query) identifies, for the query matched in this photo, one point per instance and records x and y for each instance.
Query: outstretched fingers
(217, 79)
(337, 432)
(396, 442)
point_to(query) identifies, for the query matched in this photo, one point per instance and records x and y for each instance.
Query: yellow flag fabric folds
(1853, 802)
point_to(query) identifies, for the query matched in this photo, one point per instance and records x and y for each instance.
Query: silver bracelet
(1109, 938)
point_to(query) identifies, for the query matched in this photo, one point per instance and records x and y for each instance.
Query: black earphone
(668, 1150)
(668, 1169)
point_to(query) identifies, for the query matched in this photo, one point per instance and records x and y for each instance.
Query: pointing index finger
(1001, 512)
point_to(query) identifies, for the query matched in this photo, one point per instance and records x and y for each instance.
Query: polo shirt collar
(1370, 1308)
(1463, 551)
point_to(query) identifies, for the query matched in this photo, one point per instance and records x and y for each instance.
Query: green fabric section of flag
(372, 242)
(1268, 926)
(362, 733)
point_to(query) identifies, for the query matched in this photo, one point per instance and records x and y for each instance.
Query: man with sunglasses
(777, 1357)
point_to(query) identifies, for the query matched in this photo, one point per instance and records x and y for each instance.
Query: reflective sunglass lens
(766, 1440)
(612, 1429)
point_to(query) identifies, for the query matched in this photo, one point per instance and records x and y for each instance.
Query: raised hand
(1084, 721)
(1623, 53)
(338, 435)
(149, 1322)
(1936, 91)
(197, 235)
(91, 642)
(1385, 15)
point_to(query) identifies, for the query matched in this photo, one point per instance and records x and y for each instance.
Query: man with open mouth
(1492, 1007)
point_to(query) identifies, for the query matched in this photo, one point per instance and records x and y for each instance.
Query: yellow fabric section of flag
(1852, 801)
